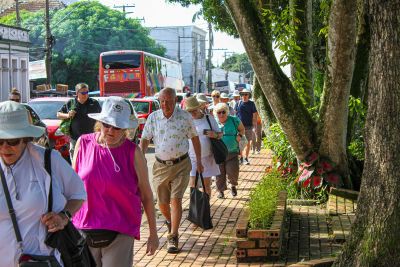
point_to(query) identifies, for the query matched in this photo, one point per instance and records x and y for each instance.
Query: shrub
(263, 200)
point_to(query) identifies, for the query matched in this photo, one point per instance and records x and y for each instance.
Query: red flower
(305, 174)
(327, 166)
(333, 178)
(306, 182)
(317, 181)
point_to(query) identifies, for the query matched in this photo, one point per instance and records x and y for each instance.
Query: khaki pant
(171, 181)
(118, 253)
(229, 169)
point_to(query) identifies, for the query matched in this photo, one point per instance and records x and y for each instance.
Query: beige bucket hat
(191, 103)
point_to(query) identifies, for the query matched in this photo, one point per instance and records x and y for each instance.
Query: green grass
(263, 200)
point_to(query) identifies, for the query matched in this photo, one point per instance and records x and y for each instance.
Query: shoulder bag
(65, 125)
(70, 242)
(199, 207)
(219, 149)
(25, 260)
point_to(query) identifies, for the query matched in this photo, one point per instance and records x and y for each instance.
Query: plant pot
(259, 245)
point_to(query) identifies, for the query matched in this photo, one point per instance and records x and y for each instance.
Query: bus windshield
(121, 61)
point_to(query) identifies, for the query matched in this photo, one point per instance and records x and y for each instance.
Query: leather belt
(173, 161)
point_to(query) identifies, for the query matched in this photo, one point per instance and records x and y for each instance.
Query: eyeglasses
(11, 142)
(108, 126)
(84, 92)
(216, 96)
(223, 112)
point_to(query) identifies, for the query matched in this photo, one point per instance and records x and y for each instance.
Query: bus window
(121, 61)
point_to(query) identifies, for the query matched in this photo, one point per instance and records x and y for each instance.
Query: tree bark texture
(375, 236)
(304, 33)
(284, 101)
(334, 106)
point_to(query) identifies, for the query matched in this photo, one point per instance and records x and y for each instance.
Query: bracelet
(66, 214)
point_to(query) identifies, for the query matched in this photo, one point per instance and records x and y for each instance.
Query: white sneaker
(246, 161)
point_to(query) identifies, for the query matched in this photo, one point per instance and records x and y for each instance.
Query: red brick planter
(261, 244)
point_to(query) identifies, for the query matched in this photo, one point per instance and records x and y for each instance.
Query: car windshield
(141, 107)
(47, 110)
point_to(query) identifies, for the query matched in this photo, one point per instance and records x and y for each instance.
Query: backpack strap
(47, 166)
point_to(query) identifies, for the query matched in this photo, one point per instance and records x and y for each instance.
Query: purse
(25, 260)
(65, 125)
(199, 207)
(70, 242)
(219, 149)
(243, 140)
(100, 238)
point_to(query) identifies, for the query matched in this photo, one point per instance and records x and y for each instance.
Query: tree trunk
(303, 14)
(374, 240)
(294, 118)
(334, 106)
(263, 108)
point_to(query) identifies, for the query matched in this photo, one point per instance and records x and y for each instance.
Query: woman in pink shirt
(114, 172)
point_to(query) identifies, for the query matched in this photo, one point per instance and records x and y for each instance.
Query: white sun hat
(236, 93)
(14, 122)
(116, 112)
(201, 98)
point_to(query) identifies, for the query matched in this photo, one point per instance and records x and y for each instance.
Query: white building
(14, 61)
(186, 44)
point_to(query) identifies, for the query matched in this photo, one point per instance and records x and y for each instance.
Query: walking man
(247, 113)
(171, 128)
(77, 110)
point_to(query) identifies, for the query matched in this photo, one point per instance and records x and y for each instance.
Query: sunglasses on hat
(11, 142)
(108, 126)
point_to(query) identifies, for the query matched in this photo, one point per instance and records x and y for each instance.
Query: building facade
(14, 61)
(186, 44)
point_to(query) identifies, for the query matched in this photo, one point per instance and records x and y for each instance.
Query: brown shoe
(172, 244)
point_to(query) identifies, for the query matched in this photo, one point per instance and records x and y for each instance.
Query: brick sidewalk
(214, 247)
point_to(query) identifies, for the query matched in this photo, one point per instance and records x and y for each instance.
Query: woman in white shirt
(28, 184)
(205, 132)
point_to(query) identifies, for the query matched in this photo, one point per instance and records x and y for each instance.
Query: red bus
(130, 73)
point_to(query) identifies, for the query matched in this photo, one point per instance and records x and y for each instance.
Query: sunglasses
(108, 126)
(221, 112)
(11, 142)
(84, 92)
(216, 96)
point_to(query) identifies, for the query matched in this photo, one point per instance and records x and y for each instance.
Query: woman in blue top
(233, 131)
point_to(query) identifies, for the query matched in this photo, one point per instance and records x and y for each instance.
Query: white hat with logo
(116, 112)
(14, 122)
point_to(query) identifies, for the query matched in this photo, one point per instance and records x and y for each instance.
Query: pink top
(113, 198)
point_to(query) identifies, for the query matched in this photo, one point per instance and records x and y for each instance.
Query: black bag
(219, 149)
(28, 260)
(70, 242)
(100, 238)
(199, 208)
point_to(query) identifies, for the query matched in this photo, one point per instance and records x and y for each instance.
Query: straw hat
(236, 93)
(224, 95)
(14, 122)
(191, 103)
(201, 98)
(116, 112)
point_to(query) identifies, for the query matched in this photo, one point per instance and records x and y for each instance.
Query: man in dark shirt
(77, 110)
(247, 113)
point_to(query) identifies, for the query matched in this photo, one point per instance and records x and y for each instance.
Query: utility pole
(49, 44)
(124, 9)
(210, 46)
(17, 13)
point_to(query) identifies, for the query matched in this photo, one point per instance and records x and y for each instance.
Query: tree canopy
(81, 32)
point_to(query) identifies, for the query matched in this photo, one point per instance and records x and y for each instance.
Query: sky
(158, 13)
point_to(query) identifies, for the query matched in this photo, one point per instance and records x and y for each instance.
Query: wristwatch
(67, 214)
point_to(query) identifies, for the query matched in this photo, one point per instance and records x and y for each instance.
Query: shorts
(210, 167)
(171, 181)
(248, 132)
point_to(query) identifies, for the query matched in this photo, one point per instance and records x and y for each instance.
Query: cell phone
(205, 131)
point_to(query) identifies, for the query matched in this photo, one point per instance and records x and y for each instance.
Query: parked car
(52, 93)
(47, 108)
(144, 107)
